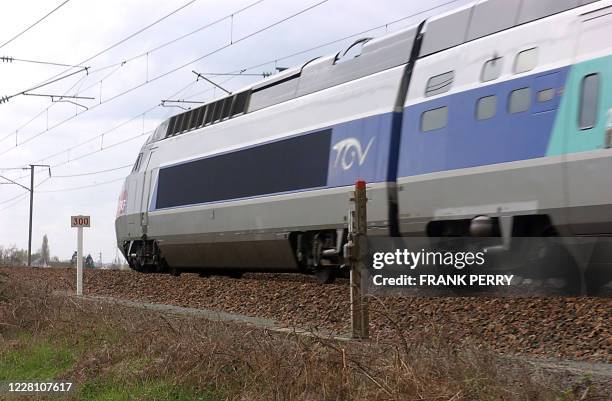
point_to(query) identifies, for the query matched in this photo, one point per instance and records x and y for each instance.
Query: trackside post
(357, 251)
(79, 222)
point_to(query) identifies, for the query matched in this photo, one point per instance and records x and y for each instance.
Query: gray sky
(82, 28)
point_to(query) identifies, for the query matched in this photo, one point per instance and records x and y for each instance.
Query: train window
(589, 100)
(526, 60)
(434, 119)
(546, 95)
(439, 83)
(486, 107)
(520, 100)
(240, 103)
(491, 69)
(292, 164)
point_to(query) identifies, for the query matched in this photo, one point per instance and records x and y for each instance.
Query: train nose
(121, 204)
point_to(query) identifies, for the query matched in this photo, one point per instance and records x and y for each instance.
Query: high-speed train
(498, 110)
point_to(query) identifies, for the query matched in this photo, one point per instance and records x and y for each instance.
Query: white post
(79, 290)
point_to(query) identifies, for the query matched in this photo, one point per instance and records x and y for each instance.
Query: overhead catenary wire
(93, 172)
(130, 36)
(81, 187)
(34, 24)
(8, 59)
(125, 39)
(162, 75)
(242, 70)
(263, 64)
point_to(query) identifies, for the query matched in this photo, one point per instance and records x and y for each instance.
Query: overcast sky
(82, 28)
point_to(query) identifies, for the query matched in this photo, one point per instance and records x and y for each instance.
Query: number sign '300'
(79, 221)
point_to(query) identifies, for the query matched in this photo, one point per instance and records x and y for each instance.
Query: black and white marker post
(79, 222)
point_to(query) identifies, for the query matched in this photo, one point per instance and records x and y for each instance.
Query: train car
(498, 110)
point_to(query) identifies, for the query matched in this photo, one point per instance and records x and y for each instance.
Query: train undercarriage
(320, 253)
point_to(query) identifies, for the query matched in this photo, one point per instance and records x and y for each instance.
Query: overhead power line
(168, 43)
(119, 64)
(94, 172)
(81, 187)
(241, 72)
(34, 24)
(130, 36)
(233, 74)
(162, 75)
(8, 59)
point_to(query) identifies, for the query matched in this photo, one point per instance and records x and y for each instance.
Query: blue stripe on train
(468, 142)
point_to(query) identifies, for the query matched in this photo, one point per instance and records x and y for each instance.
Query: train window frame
(433, 112)
(218, 111)
(137, 163)
(160, 132)
(594, 100)
(187, 121)
(440, 83)
(178, 127)
(171, 125)
(491, 69)
(524, 64)
(227, 108)
(240, 104)
(210, 114)
(479, 107)
(511, 97)
(200, 116)
(545, 95)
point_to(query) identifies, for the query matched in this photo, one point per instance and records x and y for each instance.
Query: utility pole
(31, 190)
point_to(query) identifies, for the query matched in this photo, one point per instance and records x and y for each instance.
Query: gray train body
(472, 113)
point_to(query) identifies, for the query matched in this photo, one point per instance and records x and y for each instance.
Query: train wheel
(236, 275)
(175, 271)
(325, 275)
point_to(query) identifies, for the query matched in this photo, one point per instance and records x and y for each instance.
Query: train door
(587, 145)
(145, 194)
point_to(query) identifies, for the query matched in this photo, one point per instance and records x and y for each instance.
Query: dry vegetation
(120, 353)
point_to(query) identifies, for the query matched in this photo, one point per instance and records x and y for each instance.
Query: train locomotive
(500, 110)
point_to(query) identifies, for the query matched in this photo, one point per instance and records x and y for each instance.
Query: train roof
(486, 17)
(368, 56)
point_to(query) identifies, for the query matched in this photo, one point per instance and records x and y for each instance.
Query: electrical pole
(32, 207)
(31, 190)
(31, 210)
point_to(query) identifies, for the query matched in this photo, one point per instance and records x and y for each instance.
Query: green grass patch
(148, 390)
(35, 358)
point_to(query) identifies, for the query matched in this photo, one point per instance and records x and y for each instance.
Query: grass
(35, 359)
(117, 353)
(114, 389)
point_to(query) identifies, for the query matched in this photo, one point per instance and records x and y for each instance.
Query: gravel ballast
(574, 328)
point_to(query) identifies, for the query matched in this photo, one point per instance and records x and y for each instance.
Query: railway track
(570, 328)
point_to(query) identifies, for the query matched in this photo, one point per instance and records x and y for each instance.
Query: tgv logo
(349, 151)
